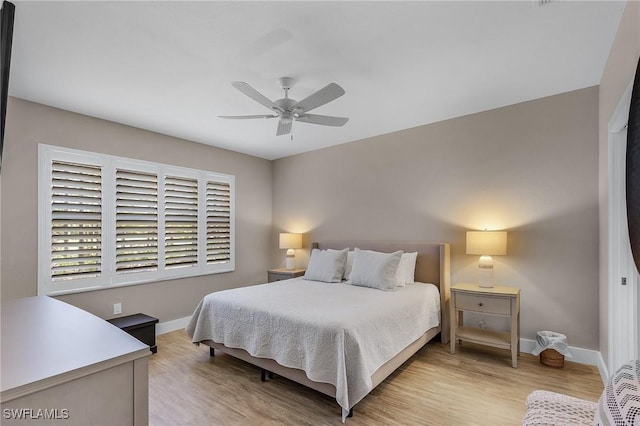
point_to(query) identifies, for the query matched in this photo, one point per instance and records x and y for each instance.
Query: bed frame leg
(350, 412)
(212, 352)
(263, 375)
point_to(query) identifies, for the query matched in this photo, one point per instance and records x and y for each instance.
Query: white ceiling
(167, 66)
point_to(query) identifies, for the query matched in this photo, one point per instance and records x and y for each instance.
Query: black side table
(140, 326)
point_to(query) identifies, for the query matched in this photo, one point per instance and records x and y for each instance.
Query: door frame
(622, 315)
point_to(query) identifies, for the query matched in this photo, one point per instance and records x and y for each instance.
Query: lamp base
(290, 263)
(485, 272)
(291, 259)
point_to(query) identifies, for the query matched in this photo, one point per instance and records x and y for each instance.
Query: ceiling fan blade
(244, 117)
(325, 95)
(284, 127)
(325, 120)
(255, 95)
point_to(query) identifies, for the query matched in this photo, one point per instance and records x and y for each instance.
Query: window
(180, 222)
(76, 220)
(218, 229)
(136, 221)
(108, 221)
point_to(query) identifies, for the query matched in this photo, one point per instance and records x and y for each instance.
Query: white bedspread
(337, 333)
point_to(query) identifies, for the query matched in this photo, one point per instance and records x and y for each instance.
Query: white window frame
(108, 277)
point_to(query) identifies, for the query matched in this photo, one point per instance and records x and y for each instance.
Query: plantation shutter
(107, 221)
(136, 221)
(181, 221)
(76, 220)
(218, 222)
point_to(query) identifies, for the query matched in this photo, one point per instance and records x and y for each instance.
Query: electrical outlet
(117, 308)
(483, 324)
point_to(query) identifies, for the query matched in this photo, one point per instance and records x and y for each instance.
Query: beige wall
(29, 124)
(530, 168)
(619, 71)
(527, 168)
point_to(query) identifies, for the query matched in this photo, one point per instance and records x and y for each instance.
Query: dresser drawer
(490, 305)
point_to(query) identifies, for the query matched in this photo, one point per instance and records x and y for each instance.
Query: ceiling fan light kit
(289, 110)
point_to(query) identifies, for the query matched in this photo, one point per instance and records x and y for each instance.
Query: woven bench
(619, 404)
(551, 408)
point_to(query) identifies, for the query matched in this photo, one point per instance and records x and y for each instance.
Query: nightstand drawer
(490, 305)
(278, 277)
(280, 274)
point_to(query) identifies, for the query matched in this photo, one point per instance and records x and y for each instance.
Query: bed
(337, 338)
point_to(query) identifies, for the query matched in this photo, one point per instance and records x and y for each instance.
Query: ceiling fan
(289, 110)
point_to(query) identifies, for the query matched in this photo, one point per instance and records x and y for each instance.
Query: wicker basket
(552, 358)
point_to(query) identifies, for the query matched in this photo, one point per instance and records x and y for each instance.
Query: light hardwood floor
(476, 386)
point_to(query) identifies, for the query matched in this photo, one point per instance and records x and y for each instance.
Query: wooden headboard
(433, 265)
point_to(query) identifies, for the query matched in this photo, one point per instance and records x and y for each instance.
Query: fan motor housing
(285, 103)
(286, 117)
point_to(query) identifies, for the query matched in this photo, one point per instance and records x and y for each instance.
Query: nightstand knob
(480, 304)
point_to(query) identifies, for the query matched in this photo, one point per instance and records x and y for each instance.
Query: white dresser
(62, 365)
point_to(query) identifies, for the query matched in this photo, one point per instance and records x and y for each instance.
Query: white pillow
(348, 266)
(326, 265)
(374, 269)
(406, 269)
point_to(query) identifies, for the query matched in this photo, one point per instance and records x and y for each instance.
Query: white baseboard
(580, 355)
(173, 325)
(602, 367)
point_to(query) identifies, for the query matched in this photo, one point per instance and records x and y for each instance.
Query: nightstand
(283, 274)
(140, 326)
(503, 301)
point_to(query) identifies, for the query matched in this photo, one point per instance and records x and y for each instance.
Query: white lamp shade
(290, 241)
(491, 243)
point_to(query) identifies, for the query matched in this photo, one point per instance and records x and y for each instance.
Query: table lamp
(486, 244)
(290, 242)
